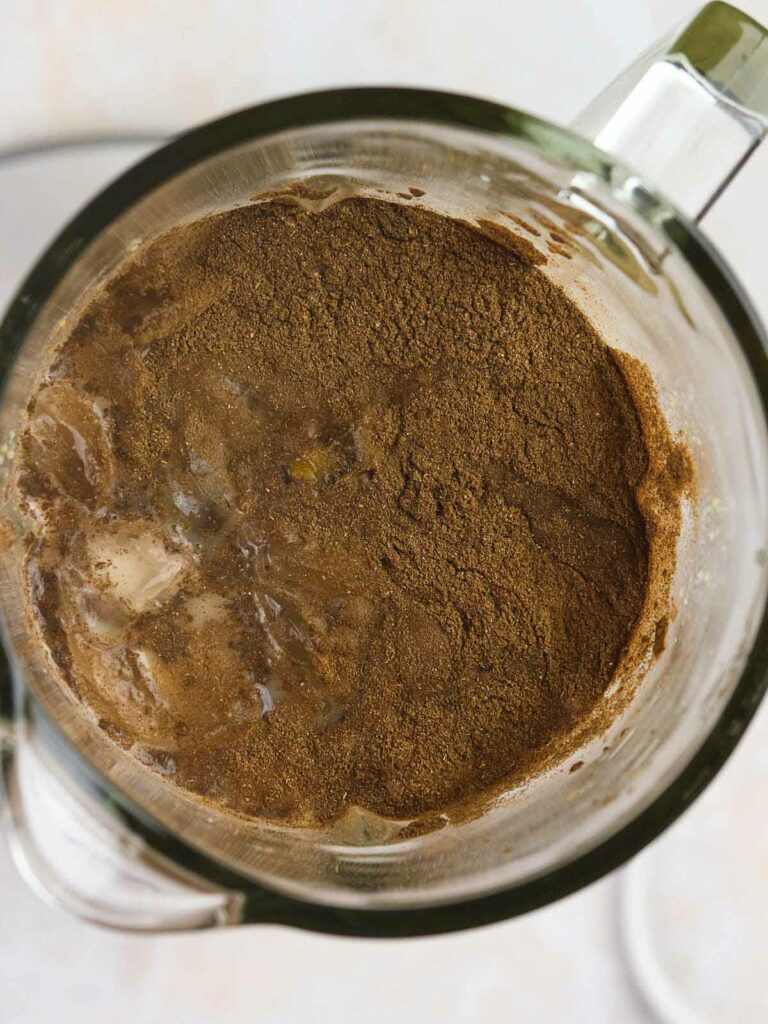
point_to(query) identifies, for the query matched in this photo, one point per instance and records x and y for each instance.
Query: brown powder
(399, 513)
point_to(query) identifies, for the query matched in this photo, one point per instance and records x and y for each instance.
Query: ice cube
(113, 685)
(69, 443)
(132, 562)
(150, 671)
(206, 608)
(267, 699)
(203, 516)
(105, 617)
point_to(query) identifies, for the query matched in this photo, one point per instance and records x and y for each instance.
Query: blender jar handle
(690, 112)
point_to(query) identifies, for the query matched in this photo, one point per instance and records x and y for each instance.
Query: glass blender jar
(97, 831)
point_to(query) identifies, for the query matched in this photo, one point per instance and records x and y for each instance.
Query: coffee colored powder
(382, 481)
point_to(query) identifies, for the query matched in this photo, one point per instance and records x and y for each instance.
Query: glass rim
(262, 903)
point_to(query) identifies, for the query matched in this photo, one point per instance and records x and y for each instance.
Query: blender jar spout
(690, 112)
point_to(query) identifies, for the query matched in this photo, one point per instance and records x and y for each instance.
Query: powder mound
(342, 509)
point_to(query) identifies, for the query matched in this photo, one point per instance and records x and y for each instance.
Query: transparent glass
(655, 289)
(690, 112)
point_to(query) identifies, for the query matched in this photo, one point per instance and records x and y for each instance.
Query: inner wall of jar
(644, 300)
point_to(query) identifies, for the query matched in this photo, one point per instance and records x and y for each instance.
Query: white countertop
(72, 68)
